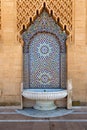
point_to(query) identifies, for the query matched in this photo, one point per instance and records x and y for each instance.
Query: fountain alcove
(44, 64)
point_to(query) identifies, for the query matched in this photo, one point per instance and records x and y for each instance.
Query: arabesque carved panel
(27, 9)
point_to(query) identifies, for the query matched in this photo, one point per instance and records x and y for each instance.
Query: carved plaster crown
(27, 11)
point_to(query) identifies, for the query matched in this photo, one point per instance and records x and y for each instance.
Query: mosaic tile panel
(26, 70)
(63, 70)
(45, 23)
(44, 65)
(46, 54)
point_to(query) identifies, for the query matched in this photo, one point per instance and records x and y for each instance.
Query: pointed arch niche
(44, 54)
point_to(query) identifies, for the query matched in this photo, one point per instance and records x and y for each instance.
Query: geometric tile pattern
(45, 23)
(44, 61)
(44, 54)
(63, 70)
(27, 9)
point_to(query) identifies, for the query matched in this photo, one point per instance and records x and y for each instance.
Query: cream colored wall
(77, 53)
(11, 54)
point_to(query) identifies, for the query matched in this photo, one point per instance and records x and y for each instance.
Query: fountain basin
(44, 97)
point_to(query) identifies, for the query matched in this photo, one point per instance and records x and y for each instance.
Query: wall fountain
(44, 63)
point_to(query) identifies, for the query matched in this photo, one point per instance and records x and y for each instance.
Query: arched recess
(44, 32)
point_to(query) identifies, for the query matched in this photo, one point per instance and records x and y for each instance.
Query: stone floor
(11, 120)
(44, 114)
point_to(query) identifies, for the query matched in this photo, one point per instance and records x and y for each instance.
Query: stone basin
(44, 97)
